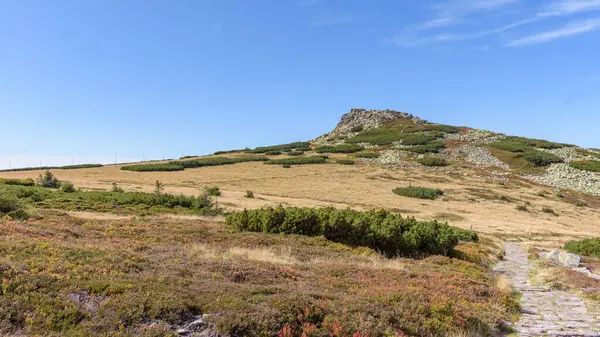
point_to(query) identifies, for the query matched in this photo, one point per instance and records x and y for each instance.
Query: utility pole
(115, 158)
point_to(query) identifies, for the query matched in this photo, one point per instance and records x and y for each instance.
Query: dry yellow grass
(472, 199)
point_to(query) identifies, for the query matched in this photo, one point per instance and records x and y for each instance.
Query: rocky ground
(566, 177)
(479, 156)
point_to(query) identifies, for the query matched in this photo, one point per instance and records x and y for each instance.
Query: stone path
(546, 312)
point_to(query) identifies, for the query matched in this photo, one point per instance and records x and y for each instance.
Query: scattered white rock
(479, 156)
(475, 135)
(566, 177)
(566, 259)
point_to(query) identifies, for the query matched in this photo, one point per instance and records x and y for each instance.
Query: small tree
(249, 194)
(48, 180)
(158, 187)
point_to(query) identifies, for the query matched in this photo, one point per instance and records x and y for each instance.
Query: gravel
(566, 177)
(479, 156)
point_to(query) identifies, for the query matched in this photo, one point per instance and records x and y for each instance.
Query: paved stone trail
(546, 312)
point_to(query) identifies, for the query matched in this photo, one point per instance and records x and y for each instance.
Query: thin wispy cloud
(450, 13)
(566, 31)
(334, 20)
(569, 7)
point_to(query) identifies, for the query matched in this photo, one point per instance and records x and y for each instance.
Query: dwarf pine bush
(418, 192)
(433, 161)
(586, 165)
(344, 148)
(21, 182)
(297, 161)
(587, 247)
(541, 158)
(153, 168)
(384, 231)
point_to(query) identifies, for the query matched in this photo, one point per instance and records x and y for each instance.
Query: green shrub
(228, 151)
(286, 166)
(521, 144)
(67, 187)
(295, 153)
(441, 128)
(297, 161)
(586, 165)
(522, 208)
(345, 161)
(213, 191)
(586, 247)
(249, 194)
(433, 161)
(21, 182)
(378, 136)
(217, 161)
(48, 180)
(384, 231)
(20, 214)
(367, 155)
(153, 168)
(68, 167)
(116, 188)
(433, 147)
(419, 138)
(581, 204)
(8, 204)
(282, 147)
(560, 195)
(549, 211)
(541, 158)
(419, 192)
(345, 148)
(273, 153)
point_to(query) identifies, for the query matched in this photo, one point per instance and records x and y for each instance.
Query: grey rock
(569, 260)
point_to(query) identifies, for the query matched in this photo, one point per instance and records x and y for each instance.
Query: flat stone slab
(546, 312)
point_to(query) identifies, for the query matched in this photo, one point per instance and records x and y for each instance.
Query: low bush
(249, 194)
(522, 208)
(433, 147)
(297, 161)
(581, 204)
(188, 157)
(345, 161)
(282, 147)
(273, 153)
(285, 166)
(229, 151)
(48, 180)
(586, 165)
(549, 210)
(217, 161)
(345, 148)
(213, 191)
(418, 192)
(21, 182)
(116, 188)
(106, 201)
(67, 187)
(67, 167)
(384, 231)
(11, 206)
(367, 155)
(587, 247)
(378, 136)
(420, 138)
(295, 153)
(541, 158)
(153, 168)
(521, 144)
(441, 128)
(433, 161)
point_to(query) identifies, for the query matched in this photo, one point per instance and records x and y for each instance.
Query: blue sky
(85, 80)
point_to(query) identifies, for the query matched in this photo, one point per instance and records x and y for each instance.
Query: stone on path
(546, 312)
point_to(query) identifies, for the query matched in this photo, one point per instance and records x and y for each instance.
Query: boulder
(569, 260)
